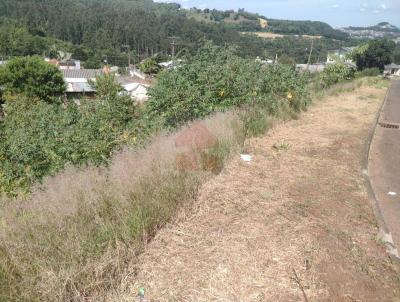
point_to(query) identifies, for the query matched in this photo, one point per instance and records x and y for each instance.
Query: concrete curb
(384, 233)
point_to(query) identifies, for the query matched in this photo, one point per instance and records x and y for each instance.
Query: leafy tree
(149, 66)
(33, 77)
(286, 60)
(335, 73)
(39, 138)
(396, 55)
(106, 86)
(377, 53)
(216, 79)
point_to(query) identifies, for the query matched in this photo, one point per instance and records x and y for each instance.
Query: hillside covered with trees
(246, 21)
(97, 31)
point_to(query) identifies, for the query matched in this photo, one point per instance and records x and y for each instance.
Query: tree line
(97, 30)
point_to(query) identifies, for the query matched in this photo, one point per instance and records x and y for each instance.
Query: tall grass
(73, 237)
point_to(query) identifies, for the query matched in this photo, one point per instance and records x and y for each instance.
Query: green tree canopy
(216, 79)
(149, 66)
(107, 86)
(377, 53)
(32, 77)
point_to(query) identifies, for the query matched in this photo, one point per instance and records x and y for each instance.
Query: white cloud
(383, 6)
(335, 6)
(376, 11)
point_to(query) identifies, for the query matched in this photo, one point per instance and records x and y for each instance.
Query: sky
(338, 13)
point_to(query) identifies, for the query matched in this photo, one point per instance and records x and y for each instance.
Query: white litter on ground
(392, 193)
(246, 157)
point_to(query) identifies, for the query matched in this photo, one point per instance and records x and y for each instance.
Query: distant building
(341, 54)
(135, 87)
(70, 64)
(137, 73)
(77, 80)
(137, 91)
(313, 68)
(392, 69)
(64, 64)
(173, 64)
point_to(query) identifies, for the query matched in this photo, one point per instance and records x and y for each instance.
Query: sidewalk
(384, 162)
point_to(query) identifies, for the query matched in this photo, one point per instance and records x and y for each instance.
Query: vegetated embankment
(78, 236)
(294, 224)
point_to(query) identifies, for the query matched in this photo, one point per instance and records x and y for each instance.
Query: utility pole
(128, 48)
(311, 50)
(173, 45)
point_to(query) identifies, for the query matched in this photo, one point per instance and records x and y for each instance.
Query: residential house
(392, 69)
(137, 73)
(341, 54)
(137, 91)
(135, 87)
(169, 65)
(313, 68)
(70, 64)
(78, 80)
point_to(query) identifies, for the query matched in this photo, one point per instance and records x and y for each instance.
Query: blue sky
(337, 13)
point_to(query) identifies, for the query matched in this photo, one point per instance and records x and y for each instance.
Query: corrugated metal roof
(81, 73)
(80, 87)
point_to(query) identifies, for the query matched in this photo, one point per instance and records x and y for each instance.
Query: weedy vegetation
(100, 178)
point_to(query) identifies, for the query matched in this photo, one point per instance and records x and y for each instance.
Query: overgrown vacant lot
(295, 224)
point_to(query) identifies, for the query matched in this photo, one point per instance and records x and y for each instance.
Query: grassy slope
(297, 218)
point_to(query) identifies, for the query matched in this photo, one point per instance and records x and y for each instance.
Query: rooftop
(81, 73)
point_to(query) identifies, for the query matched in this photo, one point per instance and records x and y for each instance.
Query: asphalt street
(384, 162)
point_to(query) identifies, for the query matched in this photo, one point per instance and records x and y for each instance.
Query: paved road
(384, 163)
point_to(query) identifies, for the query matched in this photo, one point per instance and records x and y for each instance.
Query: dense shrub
(335, 73)
(149, 66)
(39, 139)
(88, 225)
(368, 72)
(32, 77)
(216, 79)
(376, 53)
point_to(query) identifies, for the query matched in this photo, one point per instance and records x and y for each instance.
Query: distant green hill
(245, 21)
(381, 30)
(100, 30)
(115, 31)
(381, 27)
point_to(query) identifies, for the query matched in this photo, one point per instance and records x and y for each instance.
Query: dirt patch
(293, 224)
(270, 35)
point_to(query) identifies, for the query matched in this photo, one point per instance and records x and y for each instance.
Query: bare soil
(294, 224)
(270, 35)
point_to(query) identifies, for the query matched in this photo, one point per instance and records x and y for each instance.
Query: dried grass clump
(72, 238)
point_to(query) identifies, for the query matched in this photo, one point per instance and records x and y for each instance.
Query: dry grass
(293, 225)
(74, 237)
(251, 234)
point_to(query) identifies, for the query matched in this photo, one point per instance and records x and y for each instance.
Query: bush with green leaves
(106, 86)
(149, 66)
(216, 79)
(38, 138)
(376, 53)
(368, 72)
(33, 77)
(336, 73)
